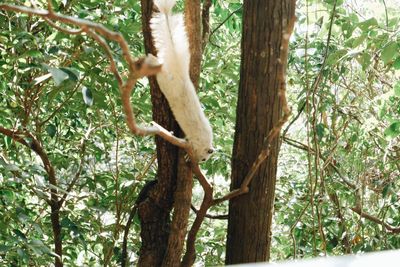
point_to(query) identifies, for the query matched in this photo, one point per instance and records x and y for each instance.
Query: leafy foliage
(341, 152)
(344, 79)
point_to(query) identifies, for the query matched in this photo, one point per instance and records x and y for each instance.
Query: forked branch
(137, 68)
(150, 66)
(208, 200)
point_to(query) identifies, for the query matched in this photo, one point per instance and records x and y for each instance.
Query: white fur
(171, 41)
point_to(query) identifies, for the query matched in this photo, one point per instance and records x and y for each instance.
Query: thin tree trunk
(55, 223)
(193, 28)
(180, 219)
(154, 212)
(162, 242)
(249, 227)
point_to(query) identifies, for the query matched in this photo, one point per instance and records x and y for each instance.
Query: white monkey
(171, 41)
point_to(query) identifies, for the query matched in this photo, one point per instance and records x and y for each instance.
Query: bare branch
(35, 146)
(106, 47)
(137, 69)
(210, 216)
(391, 229)
(189, 257)
(62, 29)
(208, 200)
(124, 254)
(205, 17)
(224, 21)
(15, 135)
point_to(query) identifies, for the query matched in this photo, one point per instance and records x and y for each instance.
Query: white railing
(375, 259)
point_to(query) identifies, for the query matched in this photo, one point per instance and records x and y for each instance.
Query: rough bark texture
(154, 212)
(162, 241)
(180, 219)
(193, 28)
(55, 222)
(259, 109)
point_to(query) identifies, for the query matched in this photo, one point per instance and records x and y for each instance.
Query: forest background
(339, 165)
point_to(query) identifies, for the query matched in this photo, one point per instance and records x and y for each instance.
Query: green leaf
(87, 96)
(42, 78)
(389, 52)
(51, 130)
(332, 2)
(73, 74)
(4, 248)
(320, 130)
(393, 130)
(396, 64)
(397, 89)
(386, 190)
(369, 24)
(7, 166)
(336, 56)
(37, 246)
(358, 40)
(22, 253)
(19, 234)
(58, 76)
(365, 60)
(100, 100)
(33, 53)
(7, 195)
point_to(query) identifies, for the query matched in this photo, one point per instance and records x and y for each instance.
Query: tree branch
(124, 253)
(224, 21)
(391, 229)
(210, 216)
(208, 199)
(137, 69)
(205, 18)
(35, 146)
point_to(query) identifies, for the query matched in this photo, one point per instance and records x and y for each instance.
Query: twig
(189, 257)
(124, 253)
(304, 147)
(137, 69)
(208, 199)
(80, 168)
(391, 229)
(205, 17)
(62, 29)
(107, 49)
(35, 146)
(210, 216)
(223, 22)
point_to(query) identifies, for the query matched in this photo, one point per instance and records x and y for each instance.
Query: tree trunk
(193, 29)
(55, 222)
(154, 211)
(163, 241)
(258, 111)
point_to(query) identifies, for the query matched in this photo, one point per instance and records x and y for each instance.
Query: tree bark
(180, 219)
(154, 212)
(162, 241)
(193, 29)
(55, 222)
(259, 110)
